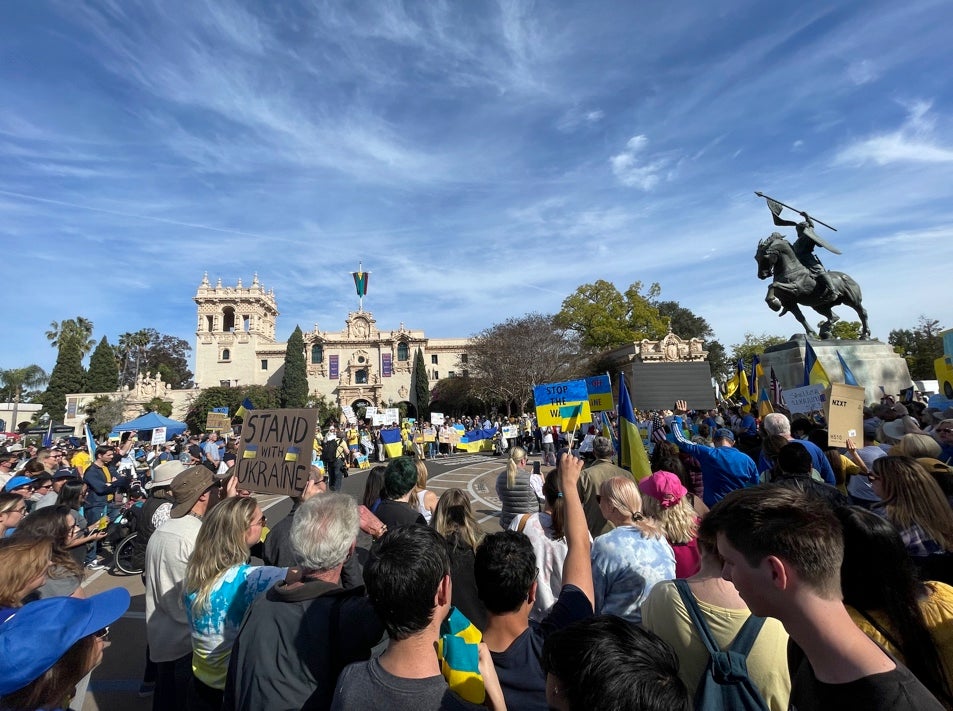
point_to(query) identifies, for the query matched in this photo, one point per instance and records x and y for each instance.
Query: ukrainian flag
(244, 408)
(393, 444)
(292, 454)
(814, 372)
(632, 455)
(849, 378)
(764, 404)
(458, 651)
(251, 451)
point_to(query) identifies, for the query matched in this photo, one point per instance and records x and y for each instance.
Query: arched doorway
(360, 408)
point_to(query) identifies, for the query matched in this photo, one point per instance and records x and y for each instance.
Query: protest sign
(223, 410)
(275, 455)
(510, 431)
(158, 435)
(565, 404)
(845, 417)
(217, 421)
(436, 418)
(349, 415)
(809, 398)
(377, 419)
(600, 393)
(369, 412)
(391, 416)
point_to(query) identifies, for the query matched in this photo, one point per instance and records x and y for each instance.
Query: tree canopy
(14, 383)
(262, 397)
(754, 345)
(294, 379)
(148, 351)
(77, 329)
(104, 412)
(68, 376)
(919, 346)
(421, 386)
(103, 375)
(603, 318)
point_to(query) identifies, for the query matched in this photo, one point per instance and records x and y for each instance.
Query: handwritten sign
(217, 421)
(600, 393)
(349, 415)
(158, 435)
(809, 398)
(565, 405)
(275, 455)
(391, 416)
(845, 418)
(436, 418)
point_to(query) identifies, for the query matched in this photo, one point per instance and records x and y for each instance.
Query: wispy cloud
(633, 168)
(914, 142)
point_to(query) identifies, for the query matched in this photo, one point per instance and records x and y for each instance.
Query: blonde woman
(454, 520)
(630, 559)
(913, 502)
(23, 567)
(514, 489)
(219, 588)
(664, 500)
(12, 511)
(422, 499)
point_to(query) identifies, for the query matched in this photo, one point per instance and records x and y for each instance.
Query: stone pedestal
(874, 364)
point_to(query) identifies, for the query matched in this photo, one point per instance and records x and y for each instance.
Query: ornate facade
(360, 364)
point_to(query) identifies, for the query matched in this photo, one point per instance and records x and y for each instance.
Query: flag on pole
(360, 282)
(813, 370)
(244, 408)
(849, 378)
(774, 207)
(764, 404)
(632, 455)
(48, 437)
(777, 393)
(608, 431)
(90, 442)
(757, 372)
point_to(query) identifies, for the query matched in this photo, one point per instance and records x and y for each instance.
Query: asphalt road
(115, 682)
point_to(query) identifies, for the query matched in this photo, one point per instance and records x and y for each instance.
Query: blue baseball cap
(16, 482)
(35, 636)
(724, 433)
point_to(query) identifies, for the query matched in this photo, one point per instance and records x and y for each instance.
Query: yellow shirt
(664, 614)
(81, 460)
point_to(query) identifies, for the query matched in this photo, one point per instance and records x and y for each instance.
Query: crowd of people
(826, 572)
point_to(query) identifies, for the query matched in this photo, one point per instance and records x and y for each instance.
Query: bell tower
(233, 322)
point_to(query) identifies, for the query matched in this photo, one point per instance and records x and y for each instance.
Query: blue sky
(482, 159)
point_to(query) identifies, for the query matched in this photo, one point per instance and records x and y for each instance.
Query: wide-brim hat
(15, 447)
(188, 487)
(16, 482)
(163, 474)
(35, 636)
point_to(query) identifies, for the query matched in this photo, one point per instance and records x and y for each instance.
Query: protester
(909, 619)
(600, 470)
(514, 490)
(783, 551)
(12, 511)
(50, 645)
(408, 583)
(57, 524)
(374, 487)
(631, 669)
(24, 563)
(776, 423)
(453, 519)
(664, 500)
(395, 508)
(424, 500)
(506, 580)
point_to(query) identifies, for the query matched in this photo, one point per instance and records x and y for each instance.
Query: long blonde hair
(219, 545)
(679, 522)
(454, 516)
(22, 560)
(422, 474)
(517, 455)
(623, 495)
(911, 496)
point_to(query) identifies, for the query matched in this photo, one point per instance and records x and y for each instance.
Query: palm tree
(19, 379)
(78, 328)
(130, 343)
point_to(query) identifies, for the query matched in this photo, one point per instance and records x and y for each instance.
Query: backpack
(725, 683)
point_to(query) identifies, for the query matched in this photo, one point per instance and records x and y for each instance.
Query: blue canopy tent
(148, 422)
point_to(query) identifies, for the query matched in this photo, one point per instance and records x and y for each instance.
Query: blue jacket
(724, 469)
(818, 461)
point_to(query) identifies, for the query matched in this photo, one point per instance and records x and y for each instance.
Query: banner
(377, 419)
(565, 405)
(600, 393)
(386, 365)
(333, 367)
(436, 418)
(217, 421)
(275, 454)
(845, 417)
(809, 398)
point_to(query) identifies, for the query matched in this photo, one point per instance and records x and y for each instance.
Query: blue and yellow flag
(754, 379)
(814, 372)
(393, 443)
(292, 454)
(849, 378)
(251, 451)
(632, 454)
(244, 408)
(764, 404)
(459, 653)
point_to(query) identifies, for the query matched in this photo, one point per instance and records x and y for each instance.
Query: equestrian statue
(799, 276)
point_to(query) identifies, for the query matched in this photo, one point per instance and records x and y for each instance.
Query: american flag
(777, 394)
(658, 429)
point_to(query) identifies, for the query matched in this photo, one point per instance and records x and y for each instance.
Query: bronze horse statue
(794, 285)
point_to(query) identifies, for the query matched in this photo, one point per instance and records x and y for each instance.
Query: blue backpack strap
(745, 639)
(695, 614)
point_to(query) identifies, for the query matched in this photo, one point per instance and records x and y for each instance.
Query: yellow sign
(565, 405)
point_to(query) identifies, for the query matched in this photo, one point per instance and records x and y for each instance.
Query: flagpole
(820, 222)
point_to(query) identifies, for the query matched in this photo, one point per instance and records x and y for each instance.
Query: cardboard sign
(217, 421)
(436, 418)
(845, 417)
(600, 393)
(510, 431)
(377, 419)
(809, 398)
(349, 415)
(565, 405)
(391, 416)
(369, 412)
(223, 410)
(158, 435)
(275, 454)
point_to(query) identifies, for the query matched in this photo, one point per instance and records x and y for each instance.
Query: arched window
(228, 319)
(317, 353)
(226, 354)
(360, 377)
(403, 352)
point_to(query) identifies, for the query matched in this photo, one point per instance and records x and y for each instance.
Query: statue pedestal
(874, 364)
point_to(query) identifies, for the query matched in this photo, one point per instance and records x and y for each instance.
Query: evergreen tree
(421, 387)
(294, 380)
(68, 376)
(103, 376)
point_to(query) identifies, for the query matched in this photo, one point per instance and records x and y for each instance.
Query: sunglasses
(946, 430)
(260, 522)
(102, 634)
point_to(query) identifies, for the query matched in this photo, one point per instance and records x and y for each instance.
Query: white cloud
(913, 142)
(632, 170)
(862, 72)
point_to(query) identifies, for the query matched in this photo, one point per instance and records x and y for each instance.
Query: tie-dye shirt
(214, 631)
(625, 565)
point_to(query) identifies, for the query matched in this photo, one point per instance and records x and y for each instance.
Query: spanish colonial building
(359, 364)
